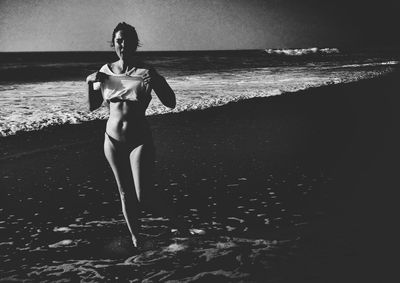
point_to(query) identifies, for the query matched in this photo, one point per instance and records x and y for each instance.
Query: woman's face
(123, 45)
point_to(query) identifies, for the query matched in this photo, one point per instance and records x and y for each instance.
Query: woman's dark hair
(130, 31)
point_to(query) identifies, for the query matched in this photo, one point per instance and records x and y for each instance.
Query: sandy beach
(292, 188)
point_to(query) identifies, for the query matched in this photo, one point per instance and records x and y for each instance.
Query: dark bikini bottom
(128, 146)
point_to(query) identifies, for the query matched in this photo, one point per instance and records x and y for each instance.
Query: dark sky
(65, 25)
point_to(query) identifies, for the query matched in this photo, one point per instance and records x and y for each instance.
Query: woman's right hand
(96, 77)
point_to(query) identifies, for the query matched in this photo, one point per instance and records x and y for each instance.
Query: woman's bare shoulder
(106, 67)
(112, 66)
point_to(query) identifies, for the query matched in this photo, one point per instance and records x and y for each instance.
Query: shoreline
(319, 164)
(93, 125)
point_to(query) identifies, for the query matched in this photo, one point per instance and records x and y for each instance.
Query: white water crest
(302, 51)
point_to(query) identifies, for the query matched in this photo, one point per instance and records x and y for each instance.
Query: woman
(126, 86)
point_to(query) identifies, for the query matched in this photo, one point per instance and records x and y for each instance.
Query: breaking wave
(388, 63)
(302, 51)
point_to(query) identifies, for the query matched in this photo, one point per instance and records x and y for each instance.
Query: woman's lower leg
(131, 212)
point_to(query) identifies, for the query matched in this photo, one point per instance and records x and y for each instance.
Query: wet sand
(293, 188)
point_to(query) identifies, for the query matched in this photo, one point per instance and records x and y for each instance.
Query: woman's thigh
(118, 158)
(142, 165)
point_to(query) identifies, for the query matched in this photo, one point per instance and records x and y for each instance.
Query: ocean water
(38, 90)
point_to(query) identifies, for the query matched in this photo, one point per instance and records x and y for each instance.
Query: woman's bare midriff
(127, 122)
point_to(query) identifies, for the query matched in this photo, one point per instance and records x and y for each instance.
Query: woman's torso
(128, 98)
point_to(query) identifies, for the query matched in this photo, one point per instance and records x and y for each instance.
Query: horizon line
(203, 50)
(139, 51)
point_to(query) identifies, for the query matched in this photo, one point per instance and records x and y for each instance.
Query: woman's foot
(142, 244)
(135, 241)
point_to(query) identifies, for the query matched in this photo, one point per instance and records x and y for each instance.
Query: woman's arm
(161, 88)
(95, 98)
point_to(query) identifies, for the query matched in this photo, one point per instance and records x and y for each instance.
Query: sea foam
(302, 51)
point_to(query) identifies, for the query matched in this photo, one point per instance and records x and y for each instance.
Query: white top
(128, 86)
